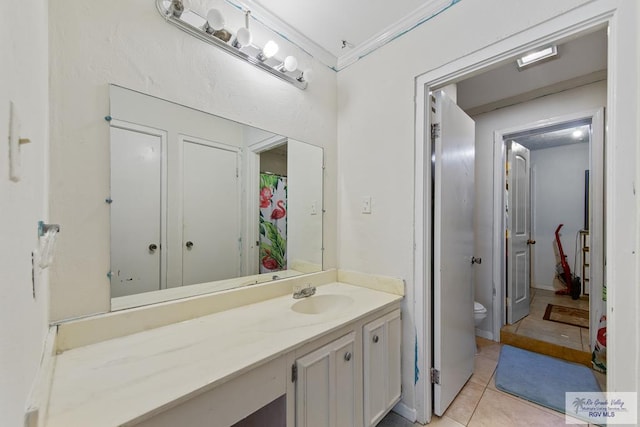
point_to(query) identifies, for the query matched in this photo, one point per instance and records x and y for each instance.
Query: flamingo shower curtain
(273, 223)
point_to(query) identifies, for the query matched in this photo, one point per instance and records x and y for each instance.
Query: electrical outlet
(314, 208)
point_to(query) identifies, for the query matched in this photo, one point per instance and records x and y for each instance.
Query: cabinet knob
(189, 244)
(376, 338)
(153, 247)
(347, 356)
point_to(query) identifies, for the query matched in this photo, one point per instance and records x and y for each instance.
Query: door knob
(153, 247)
(189, 244)
(347, 356)
(531, 242)
(376, 338)
(475, 260)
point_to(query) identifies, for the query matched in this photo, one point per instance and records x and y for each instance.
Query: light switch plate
(366, 205)
(14, 144)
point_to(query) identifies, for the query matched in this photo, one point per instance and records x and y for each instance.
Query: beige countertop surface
(124, 379)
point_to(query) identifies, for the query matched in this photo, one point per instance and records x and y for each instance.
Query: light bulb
(243, 36)
(307, 75)
(290, 63)
(270, 49)
(215, 19)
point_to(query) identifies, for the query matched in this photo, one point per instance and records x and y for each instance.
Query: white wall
(304, 188)
(584, 98)
(376, 141)
(558, 198)
(274, 161)
(128, 43)
(23, 319)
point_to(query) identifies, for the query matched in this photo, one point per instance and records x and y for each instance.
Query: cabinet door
(325, 387)
(381, 366)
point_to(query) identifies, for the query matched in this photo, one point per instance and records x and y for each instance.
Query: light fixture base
(220, 38)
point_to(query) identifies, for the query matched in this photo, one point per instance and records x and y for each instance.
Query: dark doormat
(567, 315)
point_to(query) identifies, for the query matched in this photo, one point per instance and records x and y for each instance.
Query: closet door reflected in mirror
(211, 211)
(136, 223)
(187, 207)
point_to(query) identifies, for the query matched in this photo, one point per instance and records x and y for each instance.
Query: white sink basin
(320, 304)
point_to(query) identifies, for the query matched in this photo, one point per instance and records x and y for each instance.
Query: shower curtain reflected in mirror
(273, 223)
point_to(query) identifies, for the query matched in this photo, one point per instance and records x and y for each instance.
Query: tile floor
(534, 326)
(480, 403)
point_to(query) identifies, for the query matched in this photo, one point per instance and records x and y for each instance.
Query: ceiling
(319, 27)
(580, 61)
(565, 134)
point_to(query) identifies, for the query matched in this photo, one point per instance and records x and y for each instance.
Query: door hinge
(294, 373)
(435, 376)
(435, 131)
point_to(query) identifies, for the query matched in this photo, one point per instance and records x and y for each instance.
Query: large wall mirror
(202, 204)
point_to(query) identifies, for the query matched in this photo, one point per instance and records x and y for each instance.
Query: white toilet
(479, 312)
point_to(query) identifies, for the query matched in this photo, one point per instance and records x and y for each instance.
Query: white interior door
(518, 232)
(211, 229)
(136, 194)
(454, 334)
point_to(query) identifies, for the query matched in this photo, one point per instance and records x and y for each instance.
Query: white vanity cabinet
(326, 385)
(234, 367)
(381, 346)
(353, 380)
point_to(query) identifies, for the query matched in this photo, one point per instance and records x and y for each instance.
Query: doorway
(562, 243)
(449, 74)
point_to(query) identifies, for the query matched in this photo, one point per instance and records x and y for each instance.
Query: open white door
(518, 232)
(211, 230)
(453, 326)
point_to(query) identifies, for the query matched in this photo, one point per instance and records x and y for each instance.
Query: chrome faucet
(303, 292)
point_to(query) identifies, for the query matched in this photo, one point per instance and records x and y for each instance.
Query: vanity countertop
(122, 380)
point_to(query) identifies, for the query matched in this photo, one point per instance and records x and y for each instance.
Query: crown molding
(287, 32)
(425, 12)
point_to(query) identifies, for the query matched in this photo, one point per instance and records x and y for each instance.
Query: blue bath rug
(541, 379)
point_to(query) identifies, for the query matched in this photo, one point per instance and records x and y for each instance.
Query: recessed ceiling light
(538, 56)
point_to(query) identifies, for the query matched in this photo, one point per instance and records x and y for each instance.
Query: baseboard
(545, 287)
(484, 334)
(405, 412)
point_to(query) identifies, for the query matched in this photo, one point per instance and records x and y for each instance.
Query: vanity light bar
(177, 19)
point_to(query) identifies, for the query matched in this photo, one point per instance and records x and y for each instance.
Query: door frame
(596, 222)
(621, 112)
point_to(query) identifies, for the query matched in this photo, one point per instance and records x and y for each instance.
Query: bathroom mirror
(201, 204)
